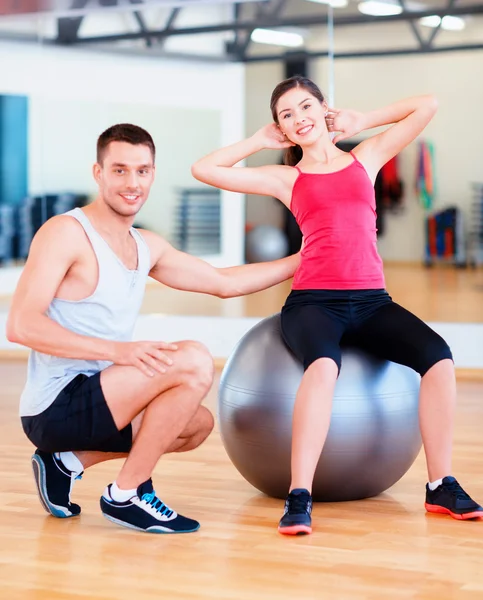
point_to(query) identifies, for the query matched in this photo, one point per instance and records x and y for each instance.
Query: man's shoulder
(63, 223)
(61, 231)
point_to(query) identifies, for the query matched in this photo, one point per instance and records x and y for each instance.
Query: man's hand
(148, 357)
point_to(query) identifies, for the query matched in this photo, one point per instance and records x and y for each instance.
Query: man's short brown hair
(124, 132)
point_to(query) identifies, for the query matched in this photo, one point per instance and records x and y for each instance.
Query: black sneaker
(449, 498)
(145, 512)
(296, 519)
(54, 484)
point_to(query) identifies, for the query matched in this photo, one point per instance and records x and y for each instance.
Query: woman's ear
(280, 129)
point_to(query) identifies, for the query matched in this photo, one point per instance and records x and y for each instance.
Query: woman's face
(301, 117)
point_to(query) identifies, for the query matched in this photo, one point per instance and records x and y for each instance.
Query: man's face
(125, 177)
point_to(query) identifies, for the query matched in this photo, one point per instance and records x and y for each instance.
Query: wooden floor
(384, 548)
(381, 548)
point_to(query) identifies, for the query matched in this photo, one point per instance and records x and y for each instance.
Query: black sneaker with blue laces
(449, 498)
(145, 512)
(297, 518)
(54, 485)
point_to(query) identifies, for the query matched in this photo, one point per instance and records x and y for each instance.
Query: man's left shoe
(449, 498)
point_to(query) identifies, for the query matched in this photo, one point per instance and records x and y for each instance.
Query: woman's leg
(394, 333)
(314, 338)
(311, 420)
(437, 407)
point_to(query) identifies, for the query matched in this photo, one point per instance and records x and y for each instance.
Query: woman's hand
(271, 138)
(346, 121)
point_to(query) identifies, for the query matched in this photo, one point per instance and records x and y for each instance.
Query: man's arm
(185, 272)
(54, 250)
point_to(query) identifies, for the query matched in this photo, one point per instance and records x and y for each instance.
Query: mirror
(54, 103)
(47, 149)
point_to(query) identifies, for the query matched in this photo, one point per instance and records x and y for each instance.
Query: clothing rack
(445, 238)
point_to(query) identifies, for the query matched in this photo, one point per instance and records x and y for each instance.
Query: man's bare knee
(198, 368)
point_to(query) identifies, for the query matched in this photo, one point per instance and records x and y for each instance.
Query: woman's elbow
(198, 171)
(431, 102)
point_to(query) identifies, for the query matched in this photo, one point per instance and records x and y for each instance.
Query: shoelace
(298, 504)
(456, 490)
(157, 504)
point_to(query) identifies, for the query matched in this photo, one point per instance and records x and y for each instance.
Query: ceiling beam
(141, 22)
(414, 27)
(173, 15)
(68, 28)
(295, 21)
(265, 12)
(372, 53)
(437, 29)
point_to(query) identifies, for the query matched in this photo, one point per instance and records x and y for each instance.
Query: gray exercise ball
(374, 435)
(265, 243)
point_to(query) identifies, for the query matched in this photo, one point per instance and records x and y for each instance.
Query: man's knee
(198, 365)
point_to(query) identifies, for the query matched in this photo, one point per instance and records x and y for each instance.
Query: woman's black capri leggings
(316, 322)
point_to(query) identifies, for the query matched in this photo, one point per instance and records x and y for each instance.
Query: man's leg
(195, 433)
(169, 400)
(55, 480)
(128, 393)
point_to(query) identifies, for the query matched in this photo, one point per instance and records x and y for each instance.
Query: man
(92, 394)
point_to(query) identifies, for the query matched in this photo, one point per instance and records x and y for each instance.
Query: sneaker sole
(441, 510)
(38, 469)
(295, 530)
(159, 530)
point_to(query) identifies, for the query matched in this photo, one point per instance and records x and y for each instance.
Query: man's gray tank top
(109, 313)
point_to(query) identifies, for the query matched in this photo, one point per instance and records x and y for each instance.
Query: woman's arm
(217, 169)
(409, 118)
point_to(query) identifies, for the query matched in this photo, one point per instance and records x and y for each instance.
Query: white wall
(364, 84)
(82, 76)
(456, 130)
(260, 79)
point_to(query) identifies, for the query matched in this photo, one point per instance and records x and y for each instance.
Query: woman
(339, 288)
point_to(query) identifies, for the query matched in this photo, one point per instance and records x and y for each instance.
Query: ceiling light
(277, 38)
(377, 8)
(449, 23)
(333, 3)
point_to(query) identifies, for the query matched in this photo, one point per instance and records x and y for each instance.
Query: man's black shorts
(78, 419)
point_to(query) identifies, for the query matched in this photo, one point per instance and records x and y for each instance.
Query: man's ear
(96, 171)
